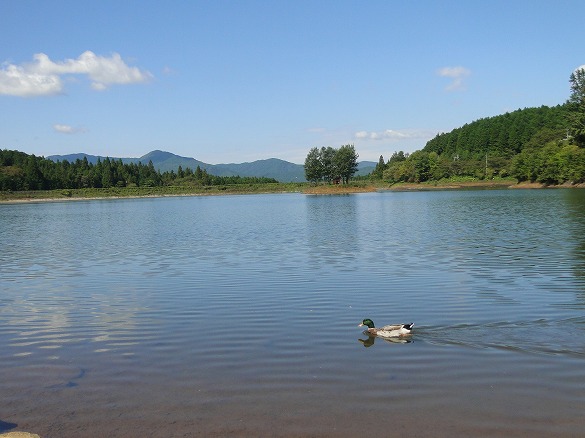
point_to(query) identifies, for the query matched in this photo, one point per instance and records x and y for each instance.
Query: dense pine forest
(532, 144)
(501, 136)
(20, 171)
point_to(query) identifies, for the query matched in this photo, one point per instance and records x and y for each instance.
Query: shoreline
(59, 196)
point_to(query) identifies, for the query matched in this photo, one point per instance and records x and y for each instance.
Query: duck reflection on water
(371, 339)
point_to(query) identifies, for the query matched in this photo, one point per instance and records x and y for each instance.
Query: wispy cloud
(43, 77)
(457, 74)
(167, 71)
(391, 134)
(67, 129)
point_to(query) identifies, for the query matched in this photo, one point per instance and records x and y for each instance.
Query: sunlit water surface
(237, 315)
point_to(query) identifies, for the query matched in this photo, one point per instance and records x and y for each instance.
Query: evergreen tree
(33, 177)
(199, 174)
(576, 114)
(378, 171)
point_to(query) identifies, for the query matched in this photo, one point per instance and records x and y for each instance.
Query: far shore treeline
(544, 145)
(20, 171)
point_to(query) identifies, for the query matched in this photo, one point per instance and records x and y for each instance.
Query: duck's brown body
(388, 331)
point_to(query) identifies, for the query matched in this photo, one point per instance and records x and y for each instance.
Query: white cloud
(388, 134)
(19, 81)
(457, 74)
(67, 129)
(42, 76)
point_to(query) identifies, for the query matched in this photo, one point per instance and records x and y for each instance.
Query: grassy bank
(456, 183)
(447, 184)
(306, 188)
(139, 192)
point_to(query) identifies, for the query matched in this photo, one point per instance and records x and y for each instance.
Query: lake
(237, 315)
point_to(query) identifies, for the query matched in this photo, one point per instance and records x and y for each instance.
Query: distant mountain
(280, 170)
(165, 162)
(366, 167)
(90, 158)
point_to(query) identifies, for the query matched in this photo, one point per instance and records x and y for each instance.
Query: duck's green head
(367, 322)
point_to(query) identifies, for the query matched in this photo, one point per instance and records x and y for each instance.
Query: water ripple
(194, 313)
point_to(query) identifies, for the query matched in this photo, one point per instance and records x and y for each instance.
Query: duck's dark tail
(409, 326)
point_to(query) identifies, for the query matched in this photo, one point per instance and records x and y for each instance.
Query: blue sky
(238, 81)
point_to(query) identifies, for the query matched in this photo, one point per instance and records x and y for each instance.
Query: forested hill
(504, 135)
(544, 145)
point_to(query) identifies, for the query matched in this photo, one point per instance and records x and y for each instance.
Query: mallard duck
(388, 331)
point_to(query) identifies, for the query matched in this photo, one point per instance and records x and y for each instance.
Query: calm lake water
(237, 315)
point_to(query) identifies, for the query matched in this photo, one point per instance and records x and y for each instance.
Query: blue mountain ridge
(281, 170)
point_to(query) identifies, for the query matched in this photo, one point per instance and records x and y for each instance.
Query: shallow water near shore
(237, 315)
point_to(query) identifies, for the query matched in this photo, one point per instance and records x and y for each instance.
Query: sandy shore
(19, 435)
(91, 198)
(340, 189)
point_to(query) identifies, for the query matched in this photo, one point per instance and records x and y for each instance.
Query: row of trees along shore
(20, 171)
(545, 145)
